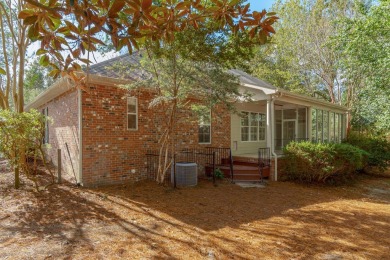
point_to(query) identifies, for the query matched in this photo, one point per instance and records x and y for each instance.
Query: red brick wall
(63, 111)
(113, 154)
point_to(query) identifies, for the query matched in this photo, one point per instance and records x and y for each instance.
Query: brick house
(104, 133)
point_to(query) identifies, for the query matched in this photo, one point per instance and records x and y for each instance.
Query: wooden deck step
(241, 172)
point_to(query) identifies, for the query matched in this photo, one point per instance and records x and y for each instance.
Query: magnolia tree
(188, 45)
(78, 27)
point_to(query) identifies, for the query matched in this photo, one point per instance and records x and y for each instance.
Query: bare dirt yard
(281, 221)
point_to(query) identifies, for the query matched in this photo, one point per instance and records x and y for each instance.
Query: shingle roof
(128, 66)
(125, 66)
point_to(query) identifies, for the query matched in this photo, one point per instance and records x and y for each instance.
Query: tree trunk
(17, 179)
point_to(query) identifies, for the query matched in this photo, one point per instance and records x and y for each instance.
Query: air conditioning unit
(186, 174)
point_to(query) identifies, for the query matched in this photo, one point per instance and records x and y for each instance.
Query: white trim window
(253, 127)
(204, 132)
(132, 113)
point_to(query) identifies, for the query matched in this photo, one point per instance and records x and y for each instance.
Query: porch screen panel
(314, 125)
(302, 124)
(319, 125)
(262, 126)
(278, 129)
(245, 126)
(331, 127)
(289, 114)
(325, 126)
(340, 127)
(336, 128)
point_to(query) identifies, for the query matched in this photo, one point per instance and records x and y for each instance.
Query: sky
(258, 5)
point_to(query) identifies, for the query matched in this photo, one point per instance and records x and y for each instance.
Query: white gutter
(280, 93)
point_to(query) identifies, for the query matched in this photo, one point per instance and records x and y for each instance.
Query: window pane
(244, 119)
(132, 105)
(244, 133)
(262, 119)
(204, 139)
(261, 133)
(204, 129)
(204, 134)
(131, 121)
(253, 133)
(254, 119)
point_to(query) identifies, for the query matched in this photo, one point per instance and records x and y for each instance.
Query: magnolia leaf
(146, 4)
(30, 20)
(44, 60)
(234, 2)
(2, 71)
(271, 14)
(41, 51)
(116, 6)
(25, 13)
(54, 73)
(33, 32)
(269, 28)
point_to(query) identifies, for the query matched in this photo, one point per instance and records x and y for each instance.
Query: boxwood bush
(377, 147)
(322, 162)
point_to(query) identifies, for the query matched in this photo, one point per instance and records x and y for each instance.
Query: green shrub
(219, 174)
(21, 136)
(377, 147)
(322, 162)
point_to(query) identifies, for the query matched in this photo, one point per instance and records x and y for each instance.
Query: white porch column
(270, 120)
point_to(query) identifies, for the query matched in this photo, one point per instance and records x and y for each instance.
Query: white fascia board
(56, 89)
(62, 85)
(266, 91)
(293, 98)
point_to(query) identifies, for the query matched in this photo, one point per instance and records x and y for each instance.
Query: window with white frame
(132, 113)
(204, 131)
(253, 127)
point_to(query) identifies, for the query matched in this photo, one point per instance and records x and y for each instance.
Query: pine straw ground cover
(281, 221)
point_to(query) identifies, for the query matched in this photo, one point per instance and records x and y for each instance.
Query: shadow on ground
(147, 220)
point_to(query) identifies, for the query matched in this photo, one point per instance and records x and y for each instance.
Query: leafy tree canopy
(79, 26)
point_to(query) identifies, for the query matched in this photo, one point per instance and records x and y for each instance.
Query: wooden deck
(244, 169)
